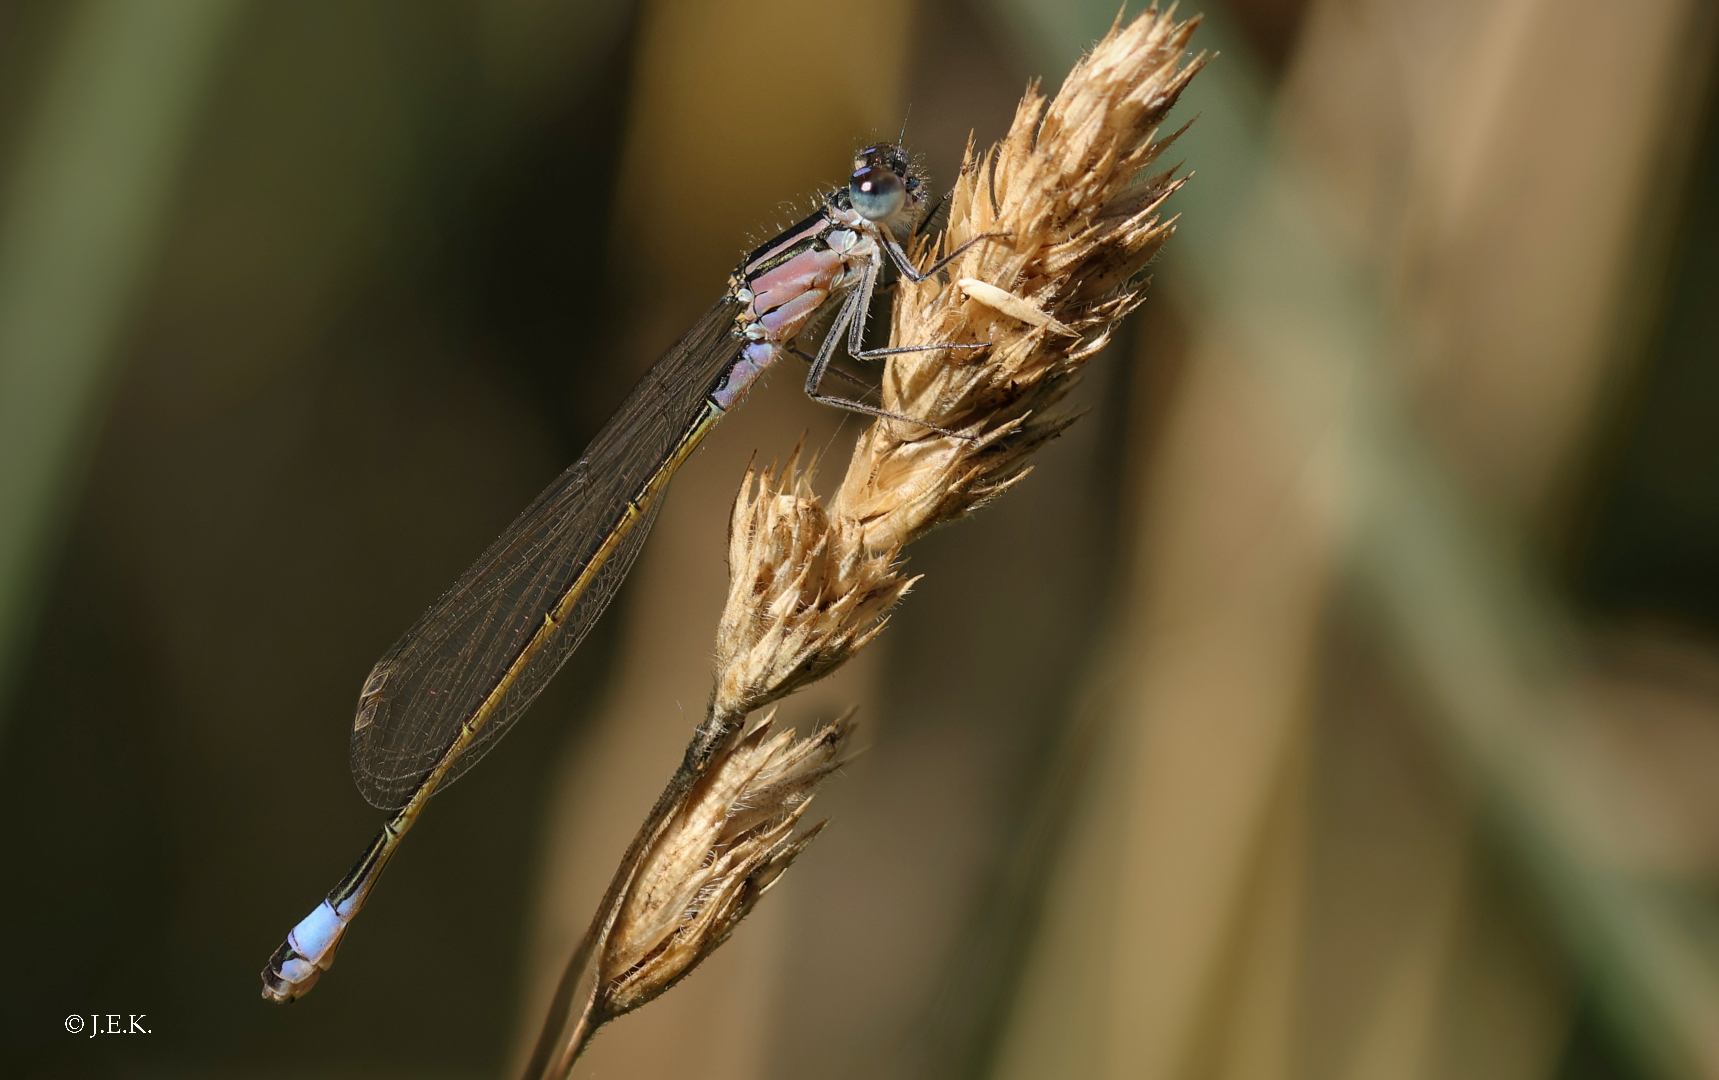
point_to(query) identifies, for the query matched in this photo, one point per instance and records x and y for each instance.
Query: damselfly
(449, 689)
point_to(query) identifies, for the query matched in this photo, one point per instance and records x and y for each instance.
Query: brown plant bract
(1071, 226)
(728, 842)
(782, 549)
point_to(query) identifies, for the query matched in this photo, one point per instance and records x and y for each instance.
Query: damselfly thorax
(786, 285)
(838, 251)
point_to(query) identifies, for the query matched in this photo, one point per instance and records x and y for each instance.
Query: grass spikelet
(801, 598)
(727, 843)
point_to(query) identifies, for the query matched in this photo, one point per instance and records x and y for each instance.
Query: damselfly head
(883, 183)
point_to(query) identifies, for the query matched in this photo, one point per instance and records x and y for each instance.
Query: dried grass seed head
(728, 842)
(801, 599)
(1061, 226)
(1065, 189)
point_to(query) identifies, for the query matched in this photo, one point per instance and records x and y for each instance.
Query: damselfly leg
(846, 376)
(853, 316)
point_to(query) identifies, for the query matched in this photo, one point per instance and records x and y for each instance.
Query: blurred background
(1340, 699)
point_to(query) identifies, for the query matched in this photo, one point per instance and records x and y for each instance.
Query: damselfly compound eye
(876, 193)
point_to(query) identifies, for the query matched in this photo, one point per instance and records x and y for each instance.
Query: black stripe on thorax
(795, 240)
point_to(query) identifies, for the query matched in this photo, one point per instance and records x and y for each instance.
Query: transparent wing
(440, 672)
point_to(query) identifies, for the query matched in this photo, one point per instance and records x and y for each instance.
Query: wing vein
(475, 643)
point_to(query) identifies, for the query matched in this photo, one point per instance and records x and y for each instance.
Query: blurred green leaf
(83, 212)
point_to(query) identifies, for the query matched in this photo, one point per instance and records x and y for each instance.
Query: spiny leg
(898, 256)
(931, 214)
(856, 328)
(852, 318)
(851, 379)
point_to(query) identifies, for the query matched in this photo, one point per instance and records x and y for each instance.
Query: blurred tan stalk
(1268, 881)
(1071, 226)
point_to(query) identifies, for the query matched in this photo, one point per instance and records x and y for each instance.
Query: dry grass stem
(719, 837)
(1073, 224)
